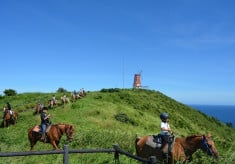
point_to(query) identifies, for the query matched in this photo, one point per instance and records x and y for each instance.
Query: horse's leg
(32, 145)
(14, 122)
(7, 123)
(55, 146)
(33, 138)
(4, 123)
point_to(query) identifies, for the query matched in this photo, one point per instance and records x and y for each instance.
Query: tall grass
(107, 117)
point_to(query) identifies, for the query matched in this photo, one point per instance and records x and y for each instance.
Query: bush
(122, 117)
(10, 92)
(110, 90)
(61, 90)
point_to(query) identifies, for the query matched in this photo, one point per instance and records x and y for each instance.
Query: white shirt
(164, 125)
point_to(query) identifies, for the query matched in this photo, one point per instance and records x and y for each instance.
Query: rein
(68, 132)
(207, 146)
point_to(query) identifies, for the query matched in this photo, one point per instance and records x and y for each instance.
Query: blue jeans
(43, 128)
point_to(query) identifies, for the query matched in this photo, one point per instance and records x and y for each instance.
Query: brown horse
(65, 100)
(52, 103)
(7, 119)
(75, 96)
(53, 134)
(182, 150)
(38, 108)
(82, 93)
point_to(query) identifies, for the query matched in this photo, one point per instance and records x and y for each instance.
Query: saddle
(158, 140)
(162, 140)
(38, 128)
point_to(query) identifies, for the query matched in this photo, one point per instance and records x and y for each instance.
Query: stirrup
(43, 139)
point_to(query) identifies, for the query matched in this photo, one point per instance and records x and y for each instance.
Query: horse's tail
(16, 115)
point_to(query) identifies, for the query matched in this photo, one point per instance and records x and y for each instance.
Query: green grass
(107, 117)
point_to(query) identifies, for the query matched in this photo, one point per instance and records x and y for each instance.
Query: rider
(75, 93)
(45, 121)
(82, 92)
(165, 127)
(40, 104)
(9, 109)
(54, 99)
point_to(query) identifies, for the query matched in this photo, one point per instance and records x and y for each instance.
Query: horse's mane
(61, 124)
(192, 137)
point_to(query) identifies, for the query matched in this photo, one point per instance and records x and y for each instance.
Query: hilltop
(110, 116)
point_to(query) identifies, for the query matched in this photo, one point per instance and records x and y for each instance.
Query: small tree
(10, 92)
(229, 124)
(61, 90)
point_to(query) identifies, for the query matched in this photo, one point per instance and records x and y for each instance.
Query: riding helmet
(164, 115)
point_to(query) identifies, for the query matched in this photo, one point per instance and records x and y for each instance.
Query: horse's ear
(209, 135)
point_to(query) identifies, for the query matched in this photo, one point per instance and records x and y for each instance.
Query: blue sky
(182, 48)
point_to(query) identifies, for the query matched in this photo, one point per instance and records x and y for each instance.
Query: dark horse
(182, 150)
(53, 133)
(7, 119)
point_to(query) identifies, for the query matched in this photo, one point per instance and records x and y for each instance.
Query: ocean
(224, 113)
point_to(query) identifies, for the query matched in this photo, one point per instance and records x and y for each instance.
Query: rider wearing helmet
(165, 130)
(165, 126)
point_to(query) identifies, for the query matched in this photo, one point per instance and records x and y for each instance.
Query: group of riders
(45, 119)
(44, 116)
(53, 101)
(77, 95)
(165, 133)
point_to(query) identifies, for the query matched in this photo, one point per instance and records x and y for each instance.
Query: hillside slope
(111, 116)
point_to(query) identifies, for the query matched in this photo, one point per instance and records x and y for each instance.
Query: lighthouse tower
(137, 81)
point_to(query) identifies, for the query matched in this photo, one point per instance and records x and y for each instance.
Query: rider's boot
(43, 138)
(11, 117)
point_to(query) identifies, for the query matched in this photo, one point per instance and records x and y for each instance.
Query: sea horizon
(223, 113)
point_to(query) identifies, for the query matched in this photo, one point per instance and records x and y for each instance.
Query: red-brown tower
(137, 81)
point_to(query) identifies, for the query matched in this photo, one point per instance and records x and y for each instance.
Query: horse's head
(208, 146)
(4, 109)
(69, 132)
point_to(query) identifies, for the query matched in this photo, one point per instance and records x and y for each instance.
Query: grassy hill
(110, 116)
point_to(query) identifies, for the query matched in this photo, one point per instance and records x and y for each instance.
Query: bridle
(207, 146)
(69, 134)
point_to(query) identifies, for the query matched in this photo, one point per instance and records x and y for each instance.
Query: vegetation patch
(122, 117)
(107, 117)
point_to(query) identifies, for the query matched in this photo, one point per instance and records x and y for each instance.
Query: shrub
(10, 92)
(61, 90)
(122, 117)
